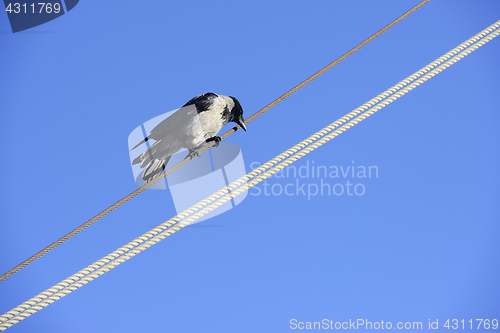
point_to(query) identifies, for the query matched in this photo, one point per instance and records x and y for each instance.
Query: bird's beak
(240, 121)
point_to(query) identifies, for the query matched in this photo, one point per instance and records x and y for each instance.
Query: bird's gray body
(190, 127)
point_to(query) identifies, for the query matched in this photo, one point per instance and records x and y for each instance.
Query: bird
(197, 122)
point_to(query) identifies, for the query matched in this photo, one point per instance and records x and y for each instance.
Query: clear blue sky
(421, 243)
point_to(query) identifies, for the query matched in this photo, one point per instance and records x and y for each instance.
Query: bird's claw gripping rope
(215, 139)
(192, 154)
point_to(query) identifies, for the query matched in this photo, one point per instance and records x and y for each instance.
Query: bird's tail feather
(154, 169)
(147, 155)
(140, 143)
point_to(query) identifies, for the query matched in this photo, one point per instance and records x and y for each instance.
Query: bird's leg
(216, 139)
(192, 154)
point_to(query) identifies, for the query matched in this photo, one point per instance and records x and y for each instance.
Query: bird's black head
(237, 114)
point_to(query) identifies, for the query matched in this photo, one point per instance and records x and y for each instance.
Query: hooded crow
(196, 123)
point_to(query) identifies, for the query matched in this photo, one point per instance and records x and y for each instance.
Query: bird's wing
(184, 116)
(178, 122)
(175, 123)
(202, 102)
